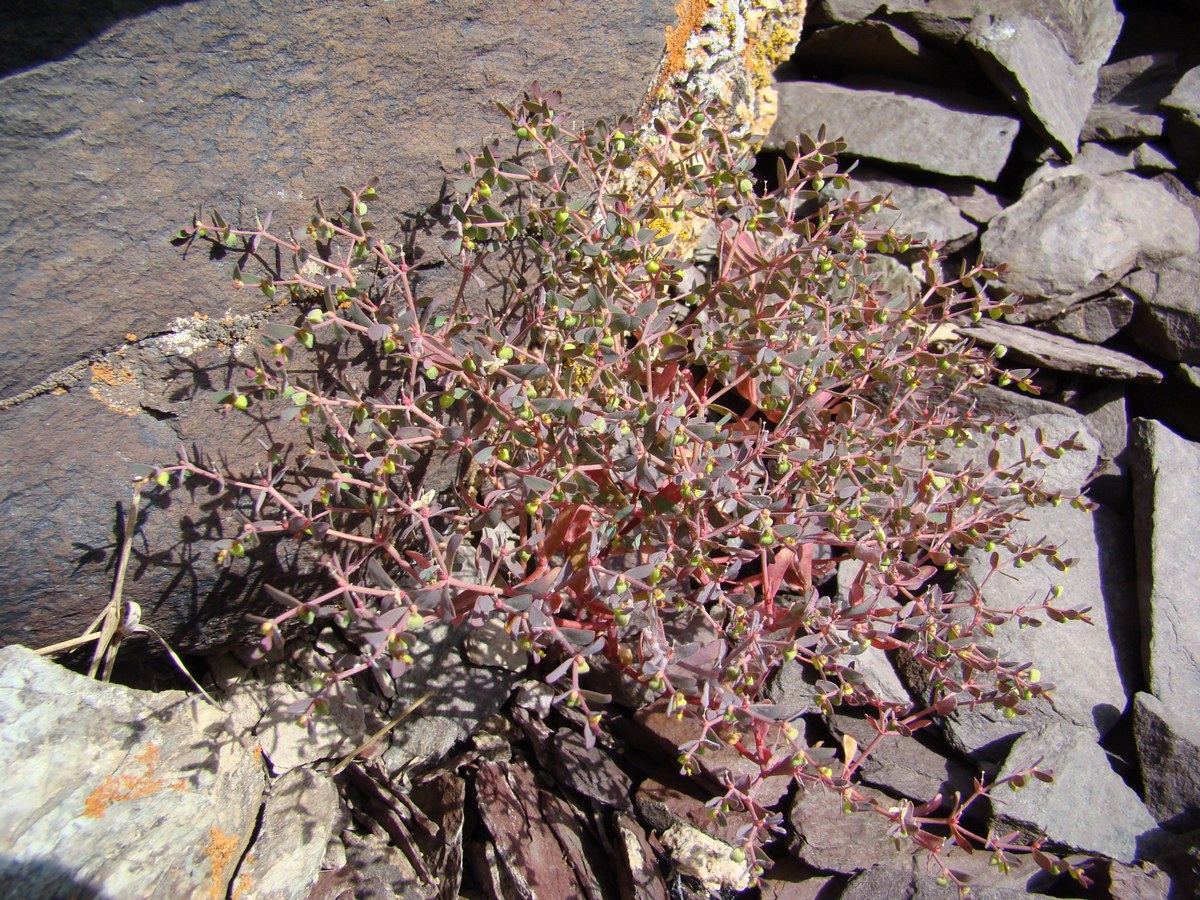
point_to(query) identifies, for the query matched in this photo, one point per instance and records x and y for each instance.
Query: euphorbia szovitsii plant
(637, 438)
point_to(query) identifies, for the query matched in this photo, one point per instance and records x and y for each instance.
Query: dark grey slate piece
(936, 131)
(1168, 742)
(1167, 529)
(1087, 808)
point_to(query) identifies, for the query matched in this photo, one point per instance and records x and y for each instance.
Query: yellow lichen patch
(122, 787)
(221, 851)
(763, 56)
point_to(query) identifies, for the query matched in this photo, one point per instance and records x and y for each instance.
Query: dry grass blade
(379, 735)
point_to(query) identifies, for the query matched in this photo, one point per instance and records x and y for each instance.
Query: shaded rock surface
(1167, 320)
(1127, 96)
(463, 696)
(1168, 739)
(905, 766)
(243, 107)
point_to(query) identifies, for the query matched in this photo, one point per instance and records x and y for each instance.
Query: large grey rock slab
(249, 106)
(1087, 808)
(1061, 353)
(1074, 236)
(936, 131)
(1167, 321)
(1167, 528)
(297, 822)
(118, 793)
(1168, 742)
(1084, 30)
(1094, 667)
(1028, 61)
(242, 106)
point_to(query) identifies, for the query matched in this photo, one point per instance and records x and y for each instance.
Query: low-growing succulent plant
(638, 437)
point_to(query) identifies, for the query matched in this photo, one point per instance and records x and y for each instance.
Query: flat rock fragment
(1167, 531)
(115, 792)
(1024, 57)
(936, 131)
(1087, 807)
(1062, 353)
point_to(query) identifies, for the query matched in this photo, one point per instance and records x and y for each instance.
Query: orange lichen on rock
(691, 15)
(112, 375)
(119, 788)
(245, 884)
(221, 851)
